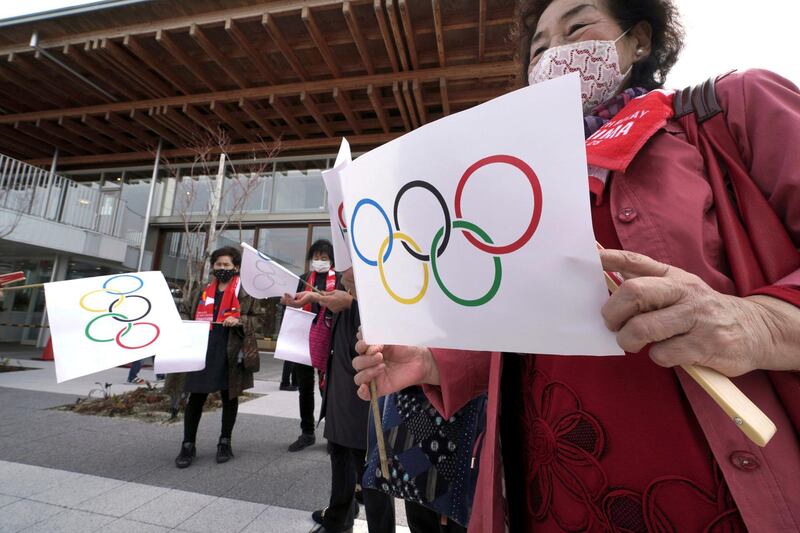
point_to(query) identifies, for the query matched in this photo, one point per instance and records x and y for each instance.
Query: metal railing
(36, 192)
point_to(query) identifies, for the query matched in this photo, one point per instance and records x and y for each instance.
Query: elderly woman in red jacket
(630, 443)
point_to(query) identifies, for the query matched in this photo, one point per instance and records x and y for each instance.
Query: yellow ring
(119, 301)
(408, 301)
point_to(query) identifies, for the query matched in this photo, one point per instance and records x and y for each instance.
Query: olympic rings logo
(113, 312)
(473, 233)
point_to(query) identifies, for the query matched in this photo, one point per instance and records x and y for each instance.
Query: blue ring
(353, 232)
(109, 280)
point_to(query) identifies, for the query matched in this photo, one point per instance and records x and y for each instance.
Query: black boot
(303, 441)
(184, 458)
(224, 451)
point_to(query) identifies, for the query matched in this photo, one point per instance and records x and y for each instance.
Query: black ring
(149, 306)
(433, 190)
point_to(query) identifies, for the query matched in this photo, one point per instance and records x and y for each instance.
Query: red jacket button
(745, 461)
(627, 214)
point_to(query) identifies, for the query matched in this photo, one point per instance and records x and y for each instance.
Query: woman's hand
(231, 322)
(687, 322)
(392, 367)
(336, 301)
(300, 299)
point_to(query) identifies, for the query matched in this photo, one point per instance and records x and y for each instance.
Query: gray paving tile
(77, 491)
(122, 500)
(71, 521)
(171, 508)
(17, 479)
(123, 525)
(275, 519)
(6, 500)
(25, 513)
(223, 515)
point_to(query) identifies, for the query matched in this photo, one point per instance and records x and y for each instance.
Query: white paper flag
(107, 321)
(190, 355)
(293, 337)
(332, 179)
(474, 232)
(263, 277)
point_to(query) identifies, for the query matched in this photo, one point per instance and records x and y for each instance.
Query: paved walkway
(61, 471)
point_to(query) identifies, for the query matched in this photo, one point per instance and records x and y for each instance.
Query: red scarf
(228, 307)
(330, 284)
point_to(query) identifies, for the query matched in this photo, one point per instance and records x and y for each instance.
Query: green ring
(498, 268)
(95, 319)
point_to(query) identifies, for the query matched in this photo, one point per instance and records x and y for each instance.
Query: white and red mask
(597, 62)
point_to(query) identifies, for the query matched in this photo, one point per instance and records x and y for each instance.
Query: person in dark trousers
(288, 377)
(346, 423)
(321, 276)
(234, 314)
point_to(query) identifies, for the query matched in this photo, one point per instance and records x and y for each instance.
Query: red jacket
(665, 211)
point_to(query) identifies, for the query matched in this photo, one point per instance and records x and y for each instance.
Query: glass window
(287, 246)
(234, 237)
(299, 191)
(247, 193)
(193, 195)
(182, 255)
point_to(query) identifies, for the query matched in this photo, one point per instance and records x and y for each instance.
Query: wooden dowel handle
(376, 417)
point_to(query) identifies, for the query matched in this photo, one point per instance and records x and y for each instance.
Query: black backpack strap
(700, 99)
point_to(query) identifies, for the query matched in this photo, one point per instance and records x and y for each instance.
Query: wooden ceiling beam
(101, 76)
(144, 119)
(15, 147)
(156, 114)
(175, 116)
(11, 75)
(380, 15)
(165, 40)
(213, 52)
(142, 135)
(318, 143)
(253, 55)
(437, 26)
(24, 143)
(11, 101)
(445, 96)
(358, 38)
(309, 103)
(417, 91)
(227, 118)
(401, 106)
(486, 71)
(347, 111)
(271, 26)
(199, 118)
(377, 105)
(155, 63)
(316, 35)
(88, 134)
(286, 115)
(35, 133)
(394, 23)
(256, 114)
(120, 71)
(63, 93)
(67, 136)
(122, 56)
(481, 29)
(409, 101)
(98, 125)
(405, 16)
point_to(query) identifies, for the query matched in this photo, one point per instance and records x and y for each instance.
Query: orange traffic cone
(47, 353)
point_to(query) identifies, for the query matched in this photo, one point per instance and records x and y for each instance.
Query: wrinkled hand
(300, 299)
(392, 367)
(231, 322)
(684, 320)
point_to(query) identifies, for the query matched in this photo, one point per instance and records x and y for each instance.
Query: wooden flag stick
(376, 417)
(744, 413)
(20, 287)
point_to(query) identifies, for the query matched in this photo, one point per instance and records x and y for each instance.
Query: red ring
(537, 203)
(341, 216)
(158, 332)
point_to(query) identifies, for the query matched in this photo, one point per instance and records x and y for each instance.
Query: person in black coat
(346, 423)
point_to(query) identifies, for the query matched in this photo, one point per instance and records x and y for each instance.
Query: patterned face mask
(596, 61)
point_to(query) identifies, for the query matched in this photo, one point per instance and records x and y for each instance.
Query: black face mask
(224, 275)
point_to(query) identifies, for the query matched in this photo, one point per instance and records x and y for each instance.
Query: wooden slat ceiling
(300, 73)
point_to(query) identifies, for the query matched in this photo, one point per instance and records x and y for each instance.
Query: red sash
(228, 307)
(617, 142)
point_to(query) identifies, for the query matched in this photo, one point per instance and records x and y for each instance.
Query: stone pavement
(61, 471)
